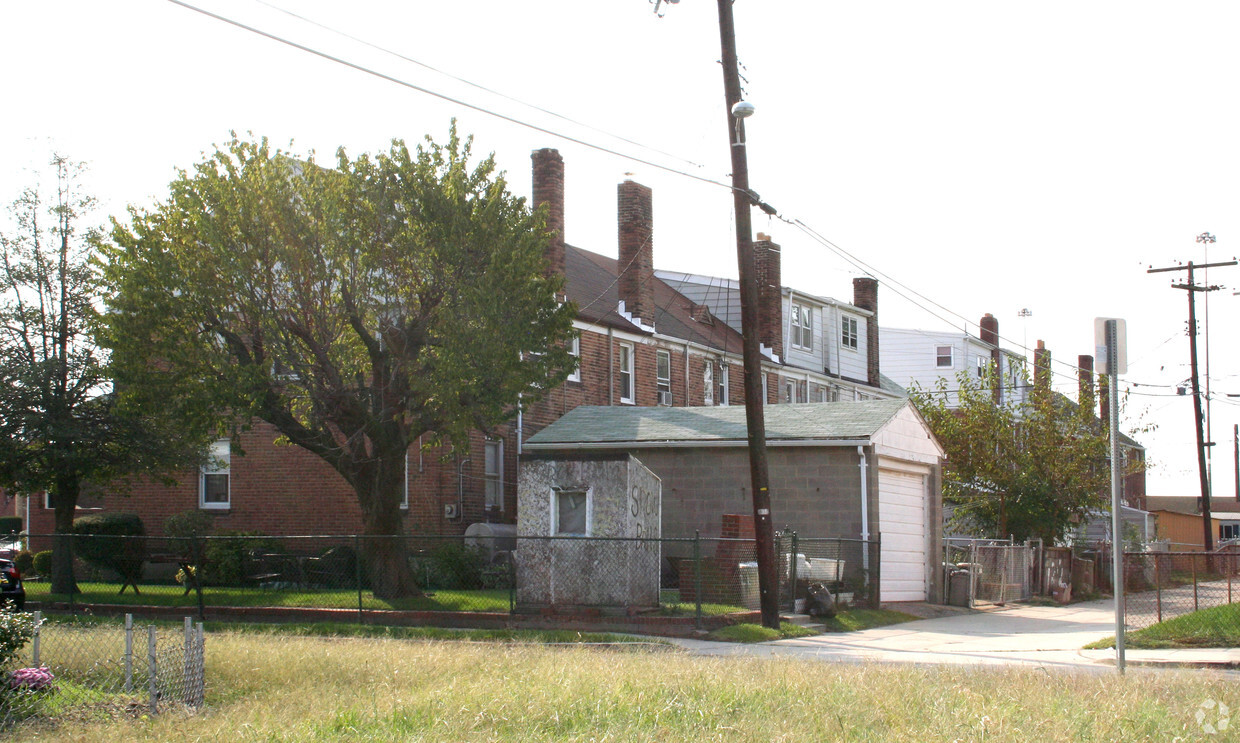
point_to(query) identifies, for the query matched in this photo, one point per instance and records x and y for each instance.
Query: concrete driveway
(1031, 636)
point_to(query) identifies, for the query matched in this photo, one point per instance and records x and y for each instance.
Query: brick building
(640, 343)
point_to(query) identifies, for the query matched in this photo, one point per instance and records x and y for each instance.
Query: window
(723, 383)
(708, 383)
(823, 395)
(848, 332)
(1229, 531)
(574, 348)
(570, 512)
(213, 486)
(663, 376)
(983, 366)
(803, 327)
(626, 373)
(493, 473)
(943, 357)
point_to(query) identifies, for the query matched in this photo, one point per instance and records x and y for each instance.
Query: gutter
(684, 444)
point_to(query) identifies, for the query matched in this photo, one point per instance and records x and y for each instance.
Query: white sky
(989, 156)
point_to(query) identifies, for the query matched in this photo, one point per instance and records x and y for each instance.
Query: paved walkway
(1030, 636)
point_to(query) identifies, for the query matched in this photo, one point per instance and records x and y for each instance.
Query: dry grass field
(264, 687)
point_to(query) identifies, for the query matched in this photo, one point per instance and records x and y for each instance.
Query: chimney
(865, 296)
(1041, 369)
(635, 210)
(1104, 400)
(990, 335)
(548, 169)
(1085, 384)
(767, 263)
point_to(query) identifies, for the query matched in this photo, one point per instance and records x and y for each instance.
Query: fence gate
(1001, 573)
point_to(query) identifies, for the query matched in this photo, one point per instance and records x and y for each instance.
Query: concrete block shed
(845, 469)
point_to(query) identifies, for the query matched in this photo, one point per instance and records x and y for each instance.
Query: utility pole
(764, 530)
(1192, 288)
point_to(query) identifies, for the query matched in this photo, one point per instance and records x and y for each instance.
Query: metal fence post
(876, 560)
(129, 652)
(357, 562)
(187, 662)
(73, 589)
(697, 578)
(792, 575)
(1195, 606)
(34, 641)
(152, 671)
(512, 576)
(196, 552)
(1158, 585)
(200, 680)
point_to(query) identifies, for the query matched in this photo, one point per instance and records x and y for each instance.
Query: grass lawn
(1216, 627)
(282, 687)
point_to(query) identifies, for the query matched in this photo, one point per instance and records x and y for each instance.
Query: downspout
(611, 367)
(686, 400)
(865, 509)
(460, 489)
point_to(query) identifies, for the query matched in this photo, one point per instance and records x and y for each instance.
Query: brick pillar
(1085, 384)
(635, 214)
(548, 169)
(989, 327)
(865, 296)
(767, 263)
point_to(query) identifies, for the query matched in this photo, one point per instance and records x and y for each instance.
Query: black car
(11, 590)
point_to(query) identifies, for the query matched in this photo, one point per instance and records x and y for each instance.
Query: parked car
(11, 589)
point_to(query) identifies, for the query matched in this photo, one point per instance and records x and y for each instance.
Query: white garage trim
(903, 522)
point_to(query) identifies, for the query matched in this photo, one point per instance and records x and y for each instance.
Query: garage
(903, 524)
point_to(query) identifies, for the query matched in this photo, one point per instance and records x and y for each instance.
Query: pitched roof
(1189, 504)
(591, 282)
(721, 425)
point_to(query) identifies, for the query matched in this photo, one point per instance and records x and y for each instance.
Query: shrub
(187, 524)
(112, 541)
(456, 565)
(42, 563)
(24, 562)
(229, 556)
(16, 629)
(10, 524)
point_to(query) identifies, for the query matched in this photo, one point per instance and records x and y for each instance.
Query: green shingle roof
(652, 426)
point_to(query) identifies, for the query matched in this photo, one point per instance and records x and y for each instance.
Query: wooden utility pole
(764, 530)
(1192, 288)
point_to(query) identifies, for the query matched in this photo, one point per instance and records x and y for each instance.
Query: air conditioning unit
(665, 397)
(449, 511)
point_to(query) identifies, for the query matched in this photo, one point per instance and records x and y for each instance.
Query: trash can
(958, 588)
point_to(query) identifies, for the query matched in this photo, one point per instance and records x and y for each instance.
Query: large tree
(353, 308)
(60, 427)
(1021, 469)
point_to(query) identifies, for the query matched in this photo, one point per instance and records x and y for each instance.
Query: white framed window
(823, 395)
(493, 473)
(790, 388)
(626, 373)
(848, 332)
(708, 383)
(574, 348)
(764, 397)
(723, 383)
(663, 376)
(571, 512)
(802, 327)
(943, 357)
(214, 486)
(983, 366)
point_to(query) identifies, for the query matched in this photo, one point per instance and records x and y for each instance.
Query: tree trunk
(65, 497)
(385, 551)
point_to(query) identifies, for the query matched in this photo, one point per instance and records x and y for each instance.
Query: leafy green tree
(352, 308)
(1025, 469)
(60, 427)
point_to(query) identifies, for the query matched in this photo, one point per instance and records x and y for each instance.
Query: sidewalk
(1031, 636)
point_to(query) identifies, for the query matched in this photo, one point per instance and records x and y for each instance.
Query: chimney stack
(865, 296)
(1104, 400)
(989, 327)
(1041, 369)
(635, 210)
(1085, 384)
(548, 169)
(767, 263)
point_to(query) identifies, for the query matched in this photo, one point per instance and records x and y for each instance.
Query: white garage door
(902, 524)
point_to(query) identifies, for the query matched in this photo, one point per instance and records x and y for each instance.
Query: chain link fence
(366, 576)
(109, 668)
(1160, 586)
(979, 572)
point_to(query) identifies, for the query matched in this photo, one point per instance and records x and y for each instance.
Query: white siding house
(923, 357)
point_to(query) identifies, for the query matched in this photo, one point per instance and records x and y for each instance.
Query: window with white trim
(708, 383)
(802, 327)
(943, 357)
(723, 383)
(493, 473)
(848, 332)
(663, 375)
(823, 394)
(570, 512)
(789, 390)
(214, 490)
(626, 373)
(983, 366)
(574, 348)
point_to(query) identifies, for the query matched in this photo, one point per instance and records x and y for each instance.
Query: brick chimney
(1041, 369)
(1085, 384)
(635, 210)
(989, 327)
(767, 263)
(1104, 400)
(865, 296)
(548, 169)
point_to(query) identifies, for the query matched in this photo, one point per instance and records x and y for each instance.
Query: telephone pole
(1192, 288)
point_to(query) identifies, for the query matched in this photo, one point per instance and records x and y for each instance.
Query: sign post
(1110, 338)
